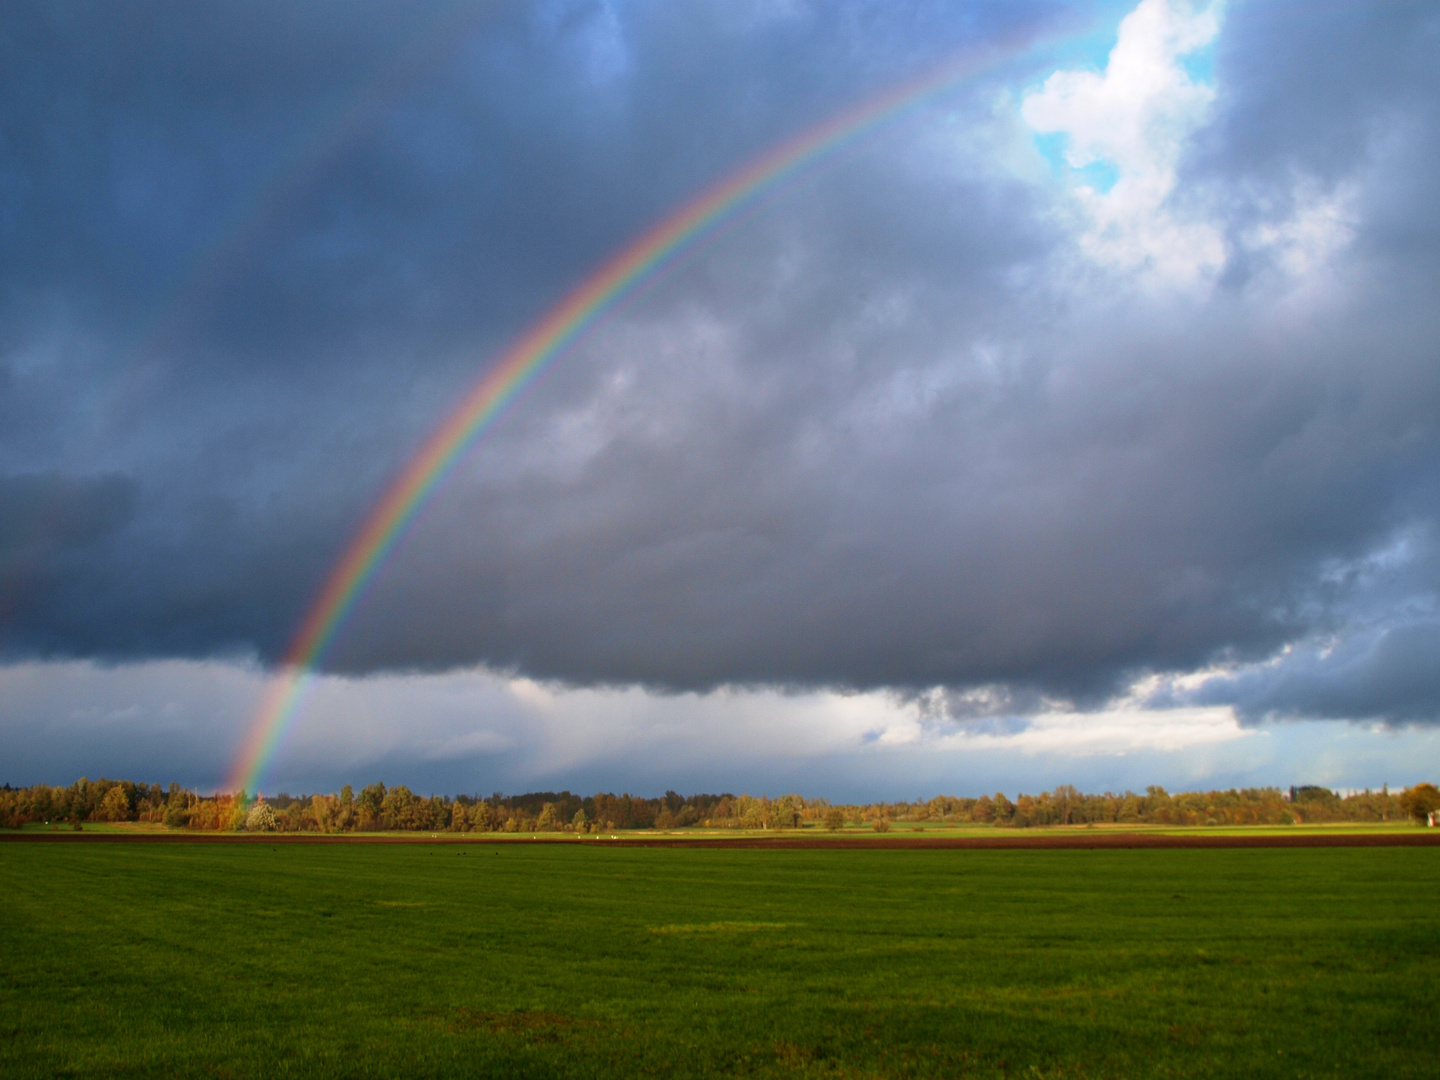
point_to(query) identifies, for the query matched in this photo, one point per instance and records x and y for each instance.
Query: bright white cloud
(1137, 117)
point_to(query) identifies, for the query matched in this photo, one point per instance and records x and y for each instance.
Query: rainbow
(576, 313)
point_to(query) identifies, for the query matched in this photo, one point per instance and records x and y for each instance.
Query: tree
(439, 816)
(177, 811)
(326, 811)
(115, 806)
(578, 821)
(261, 818)
(1067, 801)
(1420, 800)
(372, 799)
(397, 809)
(549, 819)
(785, 812)
(345, 816)
(753, 813)
(882, 824)
(834, 819)
(1002, 809)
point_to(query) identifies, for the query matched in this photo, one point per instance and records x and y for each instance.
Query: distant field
(809, 832)
(595, 960)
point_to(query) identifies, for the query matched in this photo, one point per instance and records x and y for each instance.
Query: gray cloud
(1387, 674)
(51, 530)
(894, 430)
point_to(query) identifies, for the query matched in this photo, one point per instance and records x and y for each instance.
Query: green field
(540, 960)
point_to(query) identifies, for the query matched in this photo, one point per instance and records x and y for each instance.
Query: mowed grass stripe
(554, 960)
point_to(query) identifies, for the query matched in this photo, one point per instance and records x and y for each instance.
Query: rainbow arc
(538, 347)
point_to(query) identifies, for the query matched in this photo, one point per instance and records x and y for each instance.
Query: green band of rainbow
(524, 360)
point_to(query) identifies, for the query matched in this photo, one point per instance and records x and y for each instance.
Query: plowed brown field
(1017, 840)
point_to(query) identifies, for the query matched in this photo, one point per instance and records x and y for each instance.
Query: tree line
(378, 808)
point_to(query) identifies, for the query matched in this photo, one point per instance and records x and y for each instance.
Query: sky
(1078, 423)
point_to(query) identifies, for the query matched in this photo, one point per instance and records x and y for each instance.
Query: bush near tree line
(381, 808)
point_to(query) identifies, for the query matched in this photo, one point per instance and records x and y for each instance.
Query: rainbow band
(541, 344)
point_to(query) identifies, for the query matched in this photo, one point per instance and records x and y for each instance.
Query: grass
(581, 960)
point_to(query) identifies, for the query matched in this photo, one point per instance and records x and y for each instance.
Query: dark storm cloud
(46, 515)
(1061, 531)
(1387, 674)
(887, 433)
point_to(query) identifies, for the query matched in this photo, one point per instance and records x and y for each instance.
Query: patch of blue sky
(1097, 27)
(1051, 145)
(1100, 176)
(1200, 65)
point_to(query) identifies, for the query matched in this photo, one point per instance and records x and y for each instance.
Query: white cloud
(1136, 117)
(1113, 732)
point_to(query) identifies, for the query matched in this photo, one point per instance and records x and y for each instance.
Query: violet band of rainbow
(523, 361)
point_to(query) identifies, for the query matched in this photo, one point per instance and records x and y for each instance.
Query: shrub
(882, 824)
(176, 816)
(261, 818)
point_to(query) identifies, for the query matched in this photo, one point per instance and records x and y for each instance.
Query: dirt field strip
(1106, 841)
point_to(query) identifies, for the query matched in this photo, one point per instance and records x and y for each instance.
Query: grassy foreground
(580, 960)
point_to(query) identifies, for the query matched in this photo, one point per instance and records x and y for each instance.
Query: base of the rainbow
(580, 310)
(284, 694)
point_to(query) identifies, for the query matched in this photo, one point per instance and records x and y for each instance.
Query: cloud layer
(473, 731)
(1084, 374)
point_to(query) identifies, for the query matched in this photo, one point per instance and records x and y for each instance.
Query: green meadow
(581, 960)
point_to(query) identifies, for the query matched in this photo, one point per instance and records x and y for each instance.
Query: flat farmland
(595, 960)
